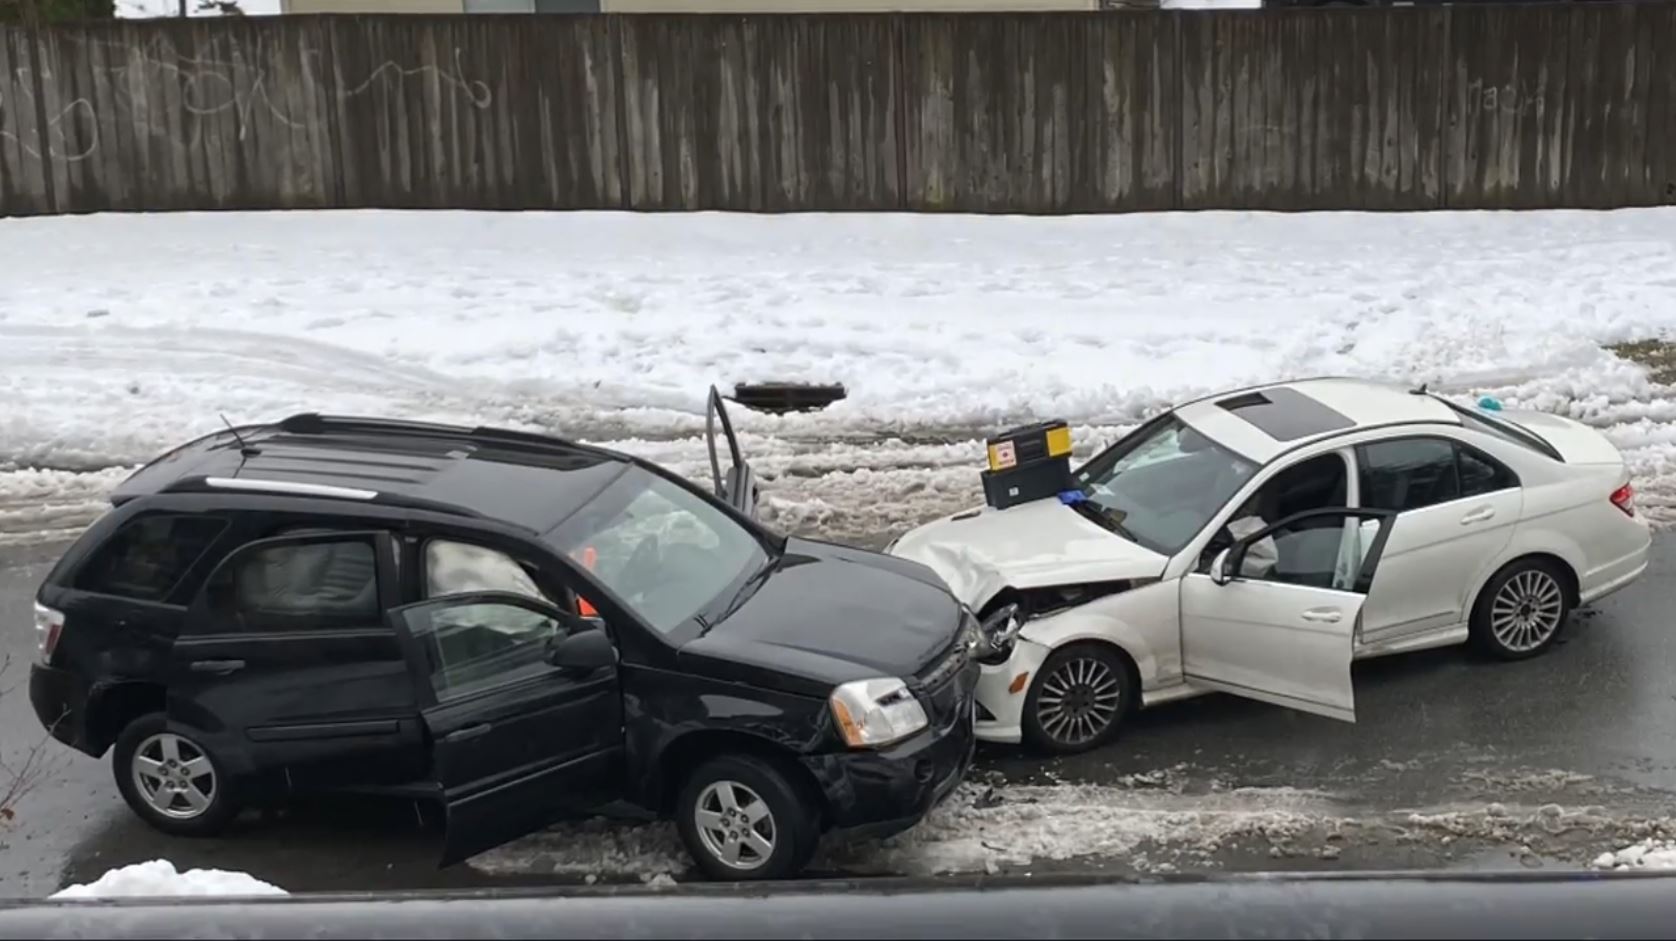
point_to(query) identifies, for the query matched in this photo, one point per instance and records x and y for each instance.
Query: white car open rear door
(1281, 629)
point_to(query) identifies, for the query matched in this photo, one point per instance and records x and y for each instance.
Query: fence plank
(1658, 24)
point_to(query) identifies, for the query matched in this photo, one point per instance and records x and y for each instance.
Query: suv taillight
(49, 626)
(1624, 498)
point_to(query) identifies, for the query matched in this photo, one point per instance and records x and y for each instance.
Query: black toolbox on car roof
(1032, 462)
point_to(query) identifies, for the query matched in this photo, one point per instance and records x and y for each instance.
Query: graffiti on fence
(169, 94)
(78, 114)
(1507, 98)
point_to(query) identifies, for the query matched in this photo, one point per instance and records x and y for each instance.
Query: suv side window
(459, 568)
(322, 584)
(1407, 473)
(146, 558)
(471, 646)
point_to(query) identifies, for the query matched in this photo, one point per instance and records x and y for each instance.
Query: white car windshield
(1162, 484)
(667, 552)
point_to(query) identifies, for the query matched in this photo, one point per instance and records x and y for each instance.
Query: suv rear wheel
(170, 779)
(743, 818)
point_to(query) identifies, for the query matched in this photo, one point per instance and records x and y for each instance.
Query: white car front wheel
(1078, 700)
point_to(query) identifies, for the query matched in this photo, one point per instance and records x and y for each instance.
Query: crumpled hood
(1031, 545)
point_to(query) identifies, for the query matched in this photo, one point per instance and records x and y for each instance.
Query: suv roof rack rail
(313, 423)
(297, 488)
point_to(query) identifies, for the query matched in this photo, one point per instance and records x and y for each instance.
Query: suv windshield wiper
(745, 590)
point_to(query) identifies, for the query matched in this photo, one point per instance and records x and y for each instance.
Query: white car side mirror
(1219, 567)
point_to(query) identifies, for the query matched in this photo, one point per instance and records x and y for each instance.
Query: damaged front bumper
(872, 794)
(1003, 689)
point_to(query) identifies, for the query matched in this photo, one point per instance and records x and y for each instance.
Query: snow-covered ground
(1647, 854)
(160, 878)
(120, 335)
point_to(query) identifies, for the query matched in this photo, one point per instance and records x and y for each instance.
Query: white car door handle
(1478, 516)
(1330, 615)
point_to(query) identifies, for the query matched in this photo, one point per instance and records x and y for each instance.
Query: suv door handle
(1479, 515)
(1330, 615)
(218, 667)
(470, 731)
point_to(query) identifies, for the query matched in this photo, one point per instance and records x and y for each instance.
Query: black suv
(516, 626)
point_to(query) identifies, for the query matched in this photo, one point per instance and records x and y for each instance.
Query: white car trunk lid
(1576, 442)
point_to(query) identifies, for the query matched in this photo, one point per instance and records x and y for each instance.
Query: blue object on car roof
(1489, 403)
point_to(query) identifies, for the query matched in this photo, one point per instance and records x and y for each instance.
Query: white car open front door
(1279, 625)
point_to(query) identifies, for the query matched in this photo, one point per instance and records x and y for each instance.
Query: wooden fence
(1382, 108)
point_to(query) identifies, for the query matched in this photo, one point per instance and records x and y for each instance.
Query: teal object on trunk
(1489, 403)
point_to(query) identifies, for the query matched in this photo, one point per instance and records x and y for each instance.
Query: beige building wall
(840, 6)
(372, 6)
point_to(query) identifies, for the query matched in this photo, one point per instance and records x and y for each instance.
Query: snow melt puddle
(978, 829)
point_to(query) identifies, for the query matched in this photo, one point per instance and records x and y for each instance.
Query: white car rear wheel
(1521, 610)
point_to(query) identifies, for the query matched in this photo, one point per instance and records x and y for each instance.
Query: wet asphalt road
(1571, 751)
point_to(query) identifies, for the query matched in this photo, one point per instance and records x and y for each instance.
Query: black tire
(221, 806)
(1087, 672)
(1534, 592)
(793, 819)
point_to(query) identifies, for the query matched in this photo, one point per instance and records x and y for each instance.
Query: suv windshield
(1161, 485)
(666, 551)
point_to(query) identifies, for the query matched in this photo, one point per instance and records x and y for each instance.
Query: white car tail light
(1624, 498)
(49, 626)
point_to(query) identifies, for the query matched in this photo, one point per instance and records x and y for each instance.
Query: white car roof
(1263, 421)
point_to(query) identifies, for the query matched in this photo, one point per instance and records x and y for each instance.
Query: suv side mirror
(1222, 567)
(584, 650)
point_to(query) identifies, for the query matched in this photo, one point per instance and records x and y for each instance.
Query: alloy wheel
(175, 776)
(1526, 611)
(735, 825)
(1079, 700)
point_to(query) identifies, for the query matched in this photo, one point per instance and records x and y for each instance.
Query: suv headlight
(871, 713)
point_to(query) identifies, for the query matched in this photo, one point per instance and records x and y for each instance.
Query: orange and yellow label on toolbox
(1003, 455)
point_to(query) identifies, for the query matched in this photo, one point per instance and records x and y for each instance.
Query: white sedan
(1256, 542)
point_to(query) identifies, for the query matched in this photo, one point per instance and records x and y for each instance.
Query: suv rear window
(147, 556)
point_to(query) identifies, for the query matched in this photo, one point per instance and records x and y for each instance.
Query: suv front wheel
(742, 818)
(170, 779)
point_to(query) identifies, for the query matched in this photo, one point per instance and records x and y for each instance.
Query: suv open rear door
(738, 486)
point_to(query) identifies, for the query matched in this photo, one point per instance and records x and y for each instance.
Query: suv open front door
(1282, 629)
(524, 712)
(738, 487)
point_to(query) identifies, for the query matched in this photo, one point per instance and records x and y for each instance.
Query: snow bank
(1647, 854)
(160, 878)
(612, 326)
